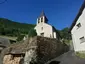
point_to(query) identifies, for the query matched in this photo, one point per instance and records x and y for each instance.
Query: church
(43, 28)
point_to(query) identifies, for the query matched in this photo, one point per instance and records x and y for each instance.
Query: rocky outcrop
(11, 59)
(35, 50)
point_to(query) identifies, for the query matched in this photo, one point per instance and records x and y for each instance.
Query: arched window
(38, 21)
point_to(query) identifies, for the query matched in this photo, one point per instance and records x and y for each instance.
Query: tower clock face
(2, 1)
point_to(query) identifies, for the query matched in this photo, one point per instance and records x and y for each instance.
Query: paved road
(0, 59)
(69, 58)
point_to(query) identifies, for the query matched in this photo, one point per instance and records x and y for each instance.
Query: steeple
(42, 18)
(42, 14)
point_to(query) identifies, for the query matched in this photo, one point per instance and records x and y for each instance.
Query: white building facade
(78, 30)
(43, 28)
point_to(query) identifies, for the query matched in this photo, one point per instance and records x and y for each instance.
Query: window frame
(78, 25)
(82, 39)
(42, 34)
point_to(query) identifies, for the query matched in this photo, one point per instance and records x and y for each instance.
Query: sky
(60, 13)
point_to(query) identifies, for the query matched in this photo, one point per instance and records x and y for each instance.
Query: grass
(80, 54)
(11, 38)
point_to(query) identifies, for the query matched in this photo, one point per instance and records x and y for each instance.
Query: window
(82, 39)
(41, 28)
(42, 34)
(78, 25)
(38, 20)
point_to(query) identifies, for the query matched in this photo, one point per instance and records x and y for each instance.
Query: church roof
(43, 14)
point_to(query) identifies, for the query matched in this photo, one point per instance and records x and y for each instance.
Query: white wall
(47, 29)
(54, 34)
(77, 33)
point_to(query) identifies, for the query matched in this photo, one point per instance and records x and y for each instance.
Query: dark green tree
(65, 33)
(20, 37)
(32, 33)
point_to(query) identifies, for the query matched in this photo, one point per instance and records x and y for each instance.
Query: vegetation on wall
(80, 54)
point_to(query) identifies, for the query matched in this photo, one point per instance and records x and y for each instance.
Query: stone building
(43, 28)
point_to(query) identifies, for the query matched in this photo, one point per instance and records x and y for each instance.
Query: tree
(20, 37)
(65, 34)
(32, 33)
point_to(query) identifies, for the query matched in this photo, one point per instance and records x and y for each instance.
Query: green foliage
(14, 29)
(65, 34)
(80, 54)
(32, 33)
(20, 37)
(10, 28)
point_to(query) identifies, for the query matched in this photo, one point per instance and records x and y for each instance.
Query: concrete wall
(77, 33)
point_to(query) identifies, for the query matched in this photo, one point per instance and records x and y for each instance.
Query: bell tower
(42, 18)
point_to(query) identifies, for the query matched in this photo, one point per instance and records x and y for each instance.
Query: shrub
(32, 33)
(20, 37)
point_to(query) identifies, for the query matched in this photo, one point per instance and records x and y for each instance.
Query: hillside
(14, 29)
(11, 28)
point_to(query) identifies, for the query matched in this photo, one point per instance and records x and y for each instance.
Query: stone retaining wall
(38, 50)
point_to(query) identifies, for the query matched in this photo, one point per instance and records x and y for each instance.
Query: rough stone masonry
(37, 50)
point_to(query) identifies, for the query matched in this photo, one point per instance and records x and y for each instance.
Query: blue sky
(60, 13)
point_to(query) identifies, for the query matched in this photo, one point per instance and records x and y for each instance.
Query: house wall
(77, 33)
(47, 30)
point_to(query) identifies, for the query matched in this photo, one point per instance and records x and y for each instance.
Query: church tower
(42, 27)
(42, 18)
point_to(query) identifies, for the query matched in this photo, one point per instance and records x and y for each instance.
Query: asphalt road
(68, 58)
(0, 59)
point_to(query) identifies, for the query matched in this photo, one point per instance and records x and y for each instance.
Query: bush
(20, 37)
(32, 33)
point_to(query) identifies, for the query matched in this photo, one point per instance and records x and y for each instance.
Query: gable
(78, 15)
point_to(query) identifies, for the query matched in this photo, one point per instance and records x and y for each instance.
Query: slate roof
(43, 14)
(78, 15)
